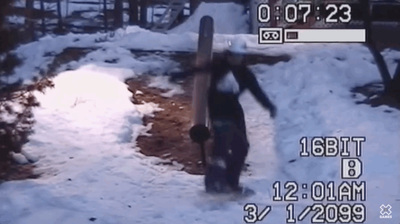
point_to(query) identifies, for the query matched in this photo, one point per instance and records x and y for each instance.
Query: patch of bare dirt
(67, 55)
(170, 131)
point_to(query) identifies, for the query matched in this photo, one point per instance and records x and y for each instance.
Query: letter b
(351, 168)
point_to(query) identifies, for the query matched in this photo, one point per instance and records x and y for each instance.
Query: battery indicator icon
(324, 35)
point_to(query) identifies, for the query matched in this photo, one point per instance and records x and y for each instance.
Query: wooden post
(193, 5)
(180, 17)
(3, 6)
(143, 13)
(29, 25)
(133, 12)
(380, 62)
(59, 15)
(118, 14)
(28, 11)
(43, 25)
(105, 18)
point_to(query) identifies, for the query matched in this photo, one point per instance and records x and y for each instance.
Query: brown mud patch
(169, 138)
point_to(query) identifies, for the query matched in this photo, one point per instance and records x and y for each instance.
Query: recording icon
(270, 35)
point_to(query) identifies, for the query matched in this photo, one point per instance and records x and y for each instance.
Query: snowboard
(199, 132)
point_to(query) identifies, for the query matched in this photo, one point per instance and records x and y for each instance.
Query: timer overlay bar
(324, 35)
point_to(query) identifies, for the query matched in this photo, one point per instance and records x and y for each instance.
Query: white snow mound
(233, 20)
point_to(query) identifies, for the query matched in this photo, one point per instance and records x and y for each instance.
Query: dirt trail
(170, 130)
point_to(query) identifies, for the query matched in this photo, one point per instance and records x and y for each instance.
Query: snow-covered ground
(86, 131)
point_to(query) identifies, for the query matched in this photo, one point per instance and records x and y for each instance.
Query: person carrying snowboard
(229, 78)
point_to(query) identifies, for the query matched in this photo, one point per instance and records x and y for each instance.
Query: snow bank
(38, 55)
(229, 18)
(313, 99)
(91, 99)
(119, 57)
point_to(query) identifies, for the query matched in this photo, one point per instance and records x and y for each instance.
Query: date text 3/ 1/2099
(318, 212)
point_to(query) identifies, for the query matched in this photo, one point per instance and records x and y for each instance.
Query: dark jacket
(224, 105)
(245, 79)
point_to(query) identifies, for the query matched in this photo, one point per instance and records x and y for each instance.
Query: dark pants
(230, 145)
